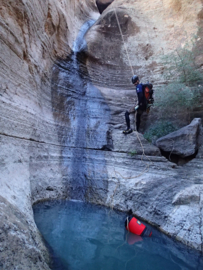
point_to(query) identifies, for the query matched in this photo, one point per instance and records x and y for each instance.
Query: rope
(129, 64)
(146, 169)
(127, 224)
(143, 154)
(124, 42)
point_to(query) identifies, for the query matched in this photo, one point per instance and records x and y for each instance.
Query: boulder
(183, 142)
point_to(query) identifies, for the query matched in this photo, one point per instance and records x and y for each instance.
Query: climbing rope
(146, 169)
(122, 36)
(126, 49)
(130, 66)
(128, 223)
(143, 154)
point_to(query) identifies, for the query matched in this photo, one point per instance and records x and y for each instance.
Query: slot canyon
(65, 85)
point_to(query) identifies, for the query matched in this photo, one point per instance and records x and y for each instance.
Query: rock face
(183, 142)
(149, 31)
(20, 243)
(188, 206)
(33, 35)
(62, 115)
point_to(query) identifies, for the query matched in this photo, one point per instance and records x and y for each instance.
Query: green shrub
(185, 82)
(176, 98)
(159, 130)
(133, 153)
(181, 66)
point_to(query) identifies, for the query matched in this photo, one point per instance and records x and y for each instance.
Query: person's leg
(135, 120)
(127, 119)
(138, 119)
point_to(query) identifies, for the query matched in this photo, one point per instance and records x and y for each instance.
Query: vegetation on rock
(183, 93)
(159, 130)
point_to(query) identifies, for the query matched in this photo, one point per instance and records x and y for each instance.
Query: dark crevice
(103, 4)
(106, 148)
(21, 138)
(180, 161)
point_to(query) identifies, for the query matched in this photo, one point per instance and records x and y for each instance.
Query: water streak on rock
(82, 127)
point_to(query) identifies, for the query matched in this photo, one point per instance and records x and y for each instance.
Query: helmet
(135, 78)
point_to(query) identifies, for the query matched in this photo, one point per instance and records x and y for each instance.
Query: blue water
(83, 236)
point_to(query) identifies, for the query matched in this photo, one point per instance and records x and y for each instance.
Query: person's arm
(140, 94)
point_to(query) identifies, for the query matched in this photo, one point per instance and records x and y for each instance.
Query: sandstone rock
(183, 142)
(189, 195)
(186, 213)
(33, 35)
(147, 38)
(133, 143)
(200, 144)
(185, 219)
(21, 245)
(56, 127)
(160, 193)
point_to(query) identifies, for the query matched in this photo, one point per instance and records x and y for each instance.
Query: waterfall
(84, 132)
(80, 44)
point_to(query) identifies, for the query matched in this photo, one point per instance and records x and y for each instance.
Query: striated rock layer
(149, 31)
(62, 115)
(33, 35)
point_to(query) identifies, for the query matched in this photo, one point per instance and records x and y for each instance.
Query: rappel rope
(128, 224)
(123, 41)
(146, 169)
(131, 70)
(143, 154)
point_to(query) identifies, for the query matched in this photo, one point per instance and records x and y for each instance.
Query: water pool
(83, 236)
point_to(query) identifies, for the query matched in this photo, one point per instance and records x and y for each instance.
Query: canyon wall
(62, 116)
(33, 35)
(150, 31)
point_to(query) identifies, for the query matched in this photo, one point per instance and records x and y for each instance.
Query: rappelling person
(133, 225)
(145, 101)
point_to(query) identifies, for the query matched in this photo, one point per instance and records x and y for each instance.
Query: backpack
(144, 93)
(148, 91)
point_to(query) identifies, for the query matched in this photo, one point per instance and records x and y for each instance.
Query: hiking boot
(128, 131)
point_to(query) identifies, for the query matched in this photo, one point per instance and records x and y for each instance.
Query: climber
(145, 101)
(133, 225)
